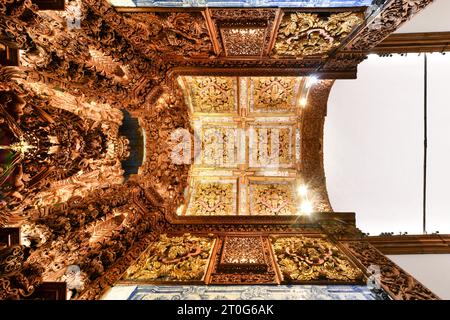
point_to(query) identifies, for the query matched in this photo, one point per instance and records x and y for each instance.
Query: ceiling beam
(412, 244)
(414, 43)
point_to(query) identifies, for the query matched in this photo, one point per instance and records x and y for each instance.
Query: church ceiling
(237, 83)
(223, 33)
(242, 3)
(248, 135)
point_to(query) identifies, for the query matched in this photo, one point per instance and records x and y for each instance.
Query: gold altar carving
(183, 258)
(269, 94)
(272, 199)
(219, 146)
(304, 34)
(312, 259)
(273, 145)
(212, 199)
(213, 94)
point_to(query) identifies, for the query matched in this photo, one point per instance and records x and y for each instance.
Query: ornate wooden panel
(238, 273)
(394, 280)
(173, 259)
(242, 32)
(305, 259)
(303, 34)
(242, 254)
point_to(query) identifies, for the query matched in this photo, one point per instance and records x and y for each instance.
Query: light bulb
(303, 190)
(312, 81)
(303, 102)
(306, 207)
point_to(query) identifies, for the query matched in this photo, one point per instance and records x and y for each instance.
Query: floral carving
(304, 34)
(176, 34)
(272, 200)
(212, 199)
(394, 280)
(183, 258)
(311, 259)
(274, 93)
(213, 94)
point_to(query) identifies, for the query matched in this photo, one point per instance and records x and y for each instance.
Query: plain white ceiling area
(373, 144)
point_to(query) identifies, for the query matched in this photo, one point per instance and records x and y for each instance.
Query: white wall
(430, 269)
(373, 144)
(438, 217)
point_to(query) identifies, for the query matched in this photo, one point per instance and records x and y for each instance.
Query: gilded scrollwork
(273, 146)
(304, 34)
(272, 199)
(183, 258)
(274, 93)
(310, 259)
(212, 199)
(213, 94)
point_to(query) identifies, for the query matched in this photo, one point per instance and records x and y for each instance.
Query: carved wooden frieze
(303, 259)
(176, 34)
(303, 34)
(394, 280)
(394, 13)
(183, 258)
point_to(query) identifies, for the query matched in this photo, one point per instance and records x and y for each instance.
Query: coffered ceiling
(247, 149)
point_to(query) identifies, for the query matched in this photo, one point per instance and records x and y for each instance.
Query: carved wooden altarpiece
(237, 70)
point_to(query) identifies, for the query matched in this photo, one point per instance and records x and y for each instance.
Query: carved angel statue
(74, 280)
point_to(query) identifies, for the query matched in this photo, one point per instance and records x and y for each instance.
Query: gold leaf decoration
(183, 258)
(212, 198)
(308, 259)
(273, 93)
(213, 94)
(272, 200)
(304, 34)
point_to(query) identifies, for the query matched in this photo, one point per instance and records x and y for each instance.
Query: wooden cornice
(412, 244)
(414, 42)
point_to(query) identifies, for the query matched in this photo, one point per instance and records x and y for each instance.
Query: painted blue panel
(263, 292)
(252, 3)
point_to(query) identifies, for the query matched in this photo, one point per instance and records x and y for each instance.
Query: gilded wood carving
(183, 258)
(305, 34)
(313, 259)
